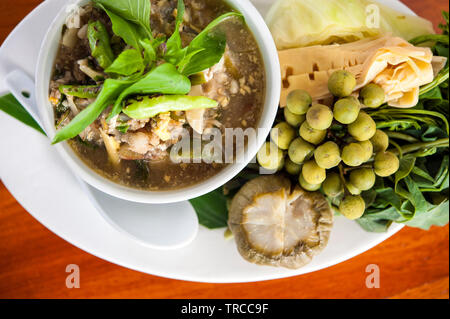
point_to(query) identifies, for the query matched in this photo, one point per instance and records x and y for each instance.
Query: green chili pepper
(99, 42)
(149, 107)
(81, 91)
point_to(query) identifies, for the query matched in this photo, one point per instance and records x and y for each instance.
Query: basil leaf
(136, 11)
(127, 63)
(437, 216)
(124, 29)
(186, 61)
(374, 225)
(148, 107)
(149, 52)
(12, 107)
(211, 209)
(206, 57)
(111, 89)
(164, 79)
(407, 163)
(174, 51)
(210, 46)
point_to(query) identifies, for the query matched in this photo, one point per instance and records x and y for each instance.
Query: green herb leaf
(209, 46)
(127, 63)
(149, 51)
(211, 209)
(437, 216)
(136, 11)
(174, 51)
(407, 164)
(148, 107)
(205, 57)
(375, 225)
(111, 89)
(126, 30)
(164, 79)
(11, 106)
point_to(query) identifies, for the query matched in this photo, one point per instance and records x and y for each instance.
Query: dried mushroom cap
(276, 226)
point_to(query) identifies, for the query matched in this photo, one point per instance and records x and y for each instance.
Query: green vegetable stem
(410, 148)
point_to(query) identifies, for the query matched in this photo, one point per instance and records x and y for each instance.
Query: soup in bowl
(158, 101)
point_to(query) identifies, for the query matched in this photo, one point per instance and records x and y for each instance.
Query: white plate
(38, 179)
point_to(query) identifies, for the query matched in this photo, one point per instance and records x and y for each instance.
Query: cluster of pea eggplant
(337, 149)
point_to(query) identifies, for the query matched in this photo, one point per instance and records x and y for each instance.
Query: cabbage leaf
(300, 23)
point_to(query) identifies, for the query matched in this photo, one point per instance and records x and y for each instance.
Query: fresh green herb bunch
(138, 70)
(418, 193)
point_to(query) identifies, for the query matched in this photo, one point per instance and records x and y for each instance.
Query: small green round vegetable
(346, 110)
(372, 95)
(363, 178)
(307, 186)
(352, 189)
(328, 155)
(368, 150)
(386, 164)
(300, 150)
(313, 173)
(352, 207)
(270, 156)
(364, 128)
(353, 155)
(380, 141)
(332, 186)
(282, 135)
(293, 119)
(292, 168)
(298, 102)
(319, 117)
(341, 83)
(311, 135)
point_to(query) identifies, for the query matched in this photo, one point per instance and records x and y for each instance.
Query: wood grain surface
(413, 263)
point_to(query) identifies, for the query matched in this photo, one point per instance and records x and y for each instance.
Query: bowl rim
(271, 62)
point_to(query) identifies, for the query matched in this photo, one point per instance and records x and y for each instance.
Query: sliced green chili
(149, 107)
(81, 91)
(99, 42)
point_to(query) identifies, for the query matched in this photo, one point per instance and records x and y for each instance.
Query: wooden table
(413, 263)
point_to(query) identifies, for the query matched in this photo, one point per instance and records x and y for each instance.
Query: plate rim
(344, 257)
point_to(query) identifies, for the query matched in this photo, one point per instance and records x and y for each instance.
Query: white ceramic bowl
(44, 69)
